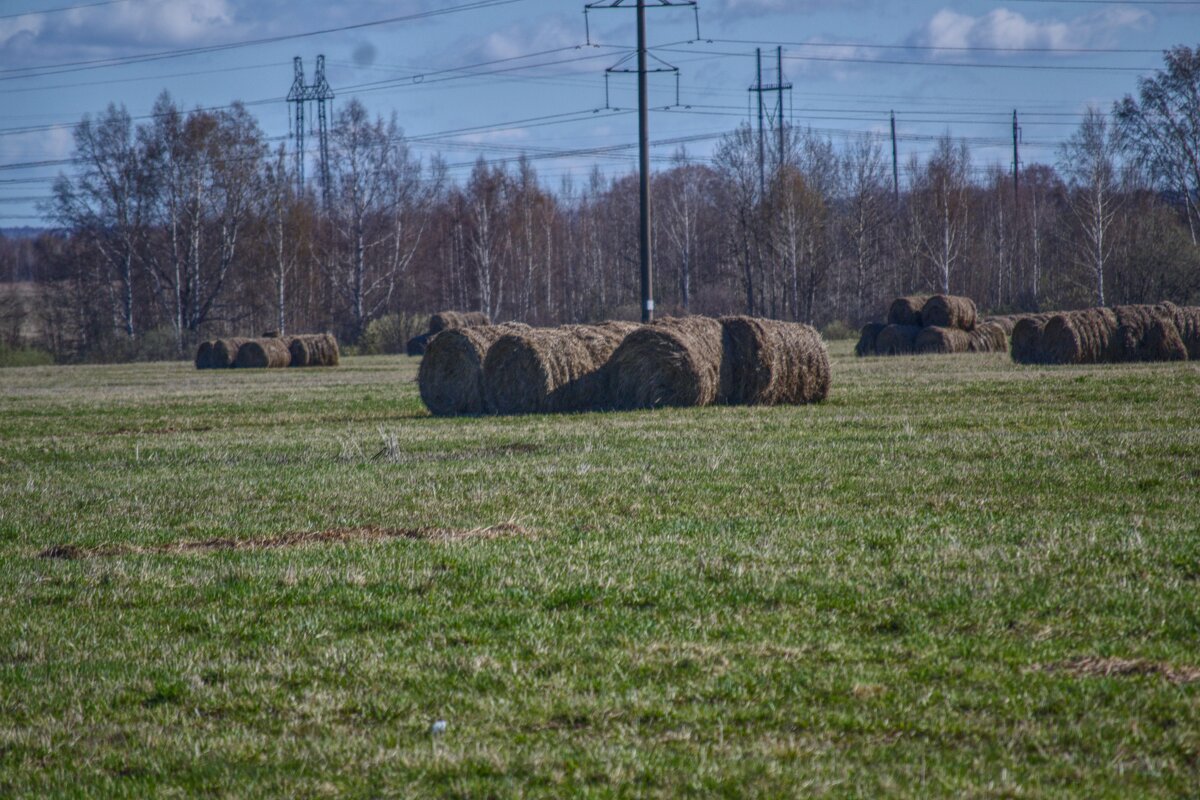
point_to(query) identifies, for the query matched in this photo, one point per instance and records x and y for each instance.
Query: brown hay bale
(936, 339)
(451, 373)
(767, 362)
(907, 310)
(988, 337)
(551, 370)
(1187, 324)
(1079, 337)
(866, 342)
(416, 345)
(204, 355)
(896, 340)
(449, 320)
(314, 350)
(1006, 322)
(1027, 338)
(1146, 333)
(262, 354)
(674, 362)
(224, 352)
(950, 311)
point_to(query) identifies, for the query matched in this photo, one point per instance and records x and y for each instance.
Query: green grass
(883, 595)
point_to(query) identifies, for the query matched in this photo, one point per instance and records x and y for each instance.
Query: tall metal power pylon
(321, 93)
(643, 71)
(767, 117)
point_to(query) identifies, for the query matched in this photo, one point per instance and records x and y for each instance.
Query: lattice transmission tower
(320, 93)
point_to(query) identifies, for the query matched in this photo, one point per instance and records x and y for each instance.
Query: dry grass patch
(1096, 667)
(291, 539)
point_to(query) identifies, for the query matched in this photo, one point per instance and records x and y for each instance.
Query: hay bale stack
(551, 370)
(450, 320)
(1187, 324)
(314, 350)
(907, 310)
(988, 337)
(1006, 322)
(950, 311)
(451, 373)
(936, 339)
(1079, 337)
(674, 362)
(767, 362)
(897, 340)
(416, 345)
(866, 342)
(225, 351)
(204, 355)
(263, 354)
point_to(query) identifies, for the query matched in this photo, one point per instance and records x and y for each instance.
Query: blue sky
(519, 75)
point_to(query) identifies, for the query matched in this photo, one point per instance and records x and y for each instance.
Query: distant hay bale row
(687, 361)
(1009, 321)
(449, 320)
(1109, 335)
(313, 350)
(922, 323)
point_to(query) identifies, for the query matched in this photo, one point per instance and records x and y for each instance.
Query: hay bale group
(685, 361)
(445, 321)
(1163, 332)
(310, 350)
(923, 324)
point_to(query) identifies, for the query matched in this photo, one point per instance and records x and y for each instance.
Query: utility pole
(643, 70)
(895, 165)
(1016, 162)
(319, 92)
(778, 88)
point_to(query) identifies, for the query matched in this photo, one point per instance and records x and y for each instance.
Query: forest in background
(191, 225)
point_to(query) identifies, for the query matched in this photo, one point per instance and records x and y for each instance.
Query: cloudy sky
(501, 77)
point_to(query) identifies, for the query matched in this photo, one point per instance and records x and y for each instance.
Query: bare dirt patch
(1095, 667)
(292, 539)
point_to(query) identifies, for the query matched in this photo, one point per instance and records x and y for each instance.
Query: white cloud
(108, 30)
(1002, 28)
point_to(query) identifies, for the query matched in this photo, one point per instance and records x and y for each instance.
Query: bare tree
(1088, 159)
(940, 209)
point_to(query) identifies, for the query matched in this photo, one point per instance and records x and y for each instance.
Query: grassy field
(958, 577)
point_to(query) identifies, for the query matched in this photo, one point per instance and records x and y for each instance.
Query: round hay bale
(674, 362)
(204, 355)
(551, 370)
(1187, 325)
(225, 351)
(896, 340)
(866, 342)
(314, 350)
(767, 362)
(451, 373)
(988, 337)
(263, 354)
(936, 339)
(907, 310)
(449, 320)
(950, 311)
(1079, 337)
(416, 345)
(1006, 322)
(1027, 338)
(1146, 333)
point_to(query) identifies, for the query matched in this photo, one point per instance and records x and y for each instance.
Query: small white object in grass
(438, 727)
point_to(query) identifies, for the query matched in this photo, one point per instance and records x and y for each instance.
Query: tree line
(191, 225)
